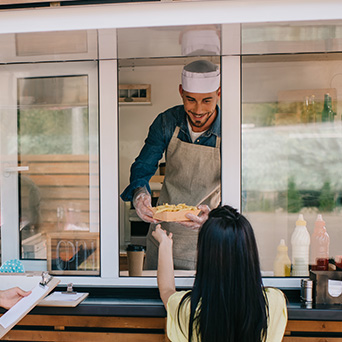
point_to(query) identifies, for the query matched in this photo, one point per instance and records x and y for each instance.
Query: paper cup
(135, 258)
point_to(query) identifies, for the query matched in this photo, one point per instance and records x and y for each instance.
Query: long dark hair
(228, 302)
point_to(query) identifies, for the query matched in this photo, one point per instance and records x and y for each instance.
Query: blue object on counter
(12, 266)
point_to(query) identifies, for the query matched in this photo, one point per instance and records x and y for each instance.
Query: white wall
(134, 120)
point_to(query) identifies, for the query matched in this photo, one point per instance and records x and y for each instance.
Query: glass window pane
(290, 150)
(58, 195)
(292, 37)
(160, 58)
(171, 41)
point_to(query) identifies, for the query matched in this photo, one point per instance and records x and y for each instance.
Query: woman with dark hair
(228, 301)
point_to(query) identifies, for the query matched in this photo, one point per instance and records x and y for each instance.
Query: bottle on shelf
(320, 242)
(327, 113)
(300, 241)
(338, 262)
(282, 262)
(312, 110)
(304, 115)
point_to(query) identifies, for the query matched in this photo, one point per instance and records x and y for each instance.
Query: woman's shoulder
(174, 299)
(274, 295)
(277, 312)
(177, 318)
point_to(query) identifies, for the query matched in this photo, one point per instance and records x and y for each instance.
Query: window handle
(9, 170)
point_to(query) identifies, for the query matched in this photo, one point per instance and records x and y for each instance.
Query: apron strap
(218, 142)
(175, 133)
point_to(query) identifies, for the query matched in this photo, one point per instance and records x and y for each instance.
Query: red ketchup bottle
(320, 242)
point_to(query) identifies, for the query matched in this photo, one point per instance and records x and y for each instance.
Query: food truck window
(153, 58)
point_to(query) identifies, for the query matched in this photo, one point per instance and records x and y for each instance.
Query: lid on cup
(135, 248)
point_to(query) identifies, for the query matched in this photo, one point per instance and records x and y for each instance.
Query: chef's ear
(181, 90)
(219, 92)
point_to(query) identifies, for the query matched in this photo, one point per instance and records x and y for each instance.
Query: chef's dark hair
(227, 291)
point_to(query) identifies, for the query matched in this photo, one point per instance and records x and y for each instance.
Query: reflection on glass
(291, 143)
(54, 138)
(176, 41)
(291, 37)
(51, 43)
(49, 46)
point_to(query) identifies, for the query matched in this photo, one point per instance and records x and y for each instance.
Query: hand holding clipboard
(9, 319)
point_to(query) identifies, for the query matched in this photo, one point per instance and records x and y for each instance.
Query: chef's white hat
(200, 42)
(201, 77)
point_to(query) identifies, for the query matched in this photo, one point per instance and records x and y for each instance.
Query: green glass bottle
(331, 112)
(327, 112)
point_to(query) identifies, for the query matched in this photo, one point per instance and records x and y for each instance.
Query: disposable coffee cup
(135, 258)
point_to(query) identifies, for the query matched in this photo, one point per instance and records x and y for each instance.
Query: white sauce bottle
(300, 241)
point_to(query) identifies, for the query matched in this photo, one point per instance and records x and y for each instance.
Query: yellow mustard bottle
(282, 262)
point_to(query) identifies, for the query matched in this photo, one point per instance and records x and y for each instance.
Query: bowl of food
(174, 212)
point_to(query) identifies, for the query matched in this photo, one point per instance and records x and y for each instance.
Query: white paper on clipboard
(64, 297)
(11, 316)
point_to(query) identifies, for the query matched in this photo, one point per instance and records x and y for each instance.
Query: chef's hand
(142, 205)
(197, 221)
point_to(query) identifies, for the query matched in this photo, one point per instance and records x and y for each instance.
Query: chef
(190, 136)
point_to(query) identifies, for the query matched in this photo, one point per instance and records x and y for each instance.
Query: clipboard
(63, 299)
(12, 316)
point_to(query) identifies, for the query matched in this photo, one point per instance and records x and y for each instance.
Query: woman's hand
(165, 275)
(197, 221)
(161, 235)
(11, 296)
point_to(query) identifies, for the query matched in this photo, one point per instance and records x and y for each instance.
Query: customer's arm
(165, 273)
(11, 296)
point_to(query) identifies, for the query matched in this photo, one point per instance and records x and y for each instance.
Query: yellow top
(276, 324)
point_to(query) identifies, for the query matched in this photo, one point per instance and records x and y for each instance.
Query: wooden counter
(88, 328)
(141, 317)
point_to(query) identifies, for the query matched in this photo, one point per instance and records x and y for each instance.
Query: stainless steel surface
(306, 290)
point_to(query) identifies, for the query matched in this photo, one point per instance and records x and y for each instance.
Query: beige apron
(193, 177)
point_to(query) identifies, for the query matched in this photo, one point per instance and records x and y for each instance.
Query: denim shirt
(157, 142)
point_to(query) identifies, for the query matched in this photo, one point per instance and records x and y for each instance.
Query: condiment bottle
(312, 115)
(305, 110)
(282, 262)
(327, 112)
(300, 241)
(320, 242)
(338, 262)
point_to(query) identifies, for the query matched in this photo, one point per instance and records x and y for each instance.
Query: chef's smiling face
(200, 108)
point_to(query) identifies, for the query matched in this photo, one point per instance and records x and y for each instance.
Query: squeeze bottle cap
(282, 246)
(319, 221)
(300, 221)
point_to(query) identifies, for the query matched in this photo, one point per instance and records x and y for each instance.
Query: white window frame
(113, 16)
